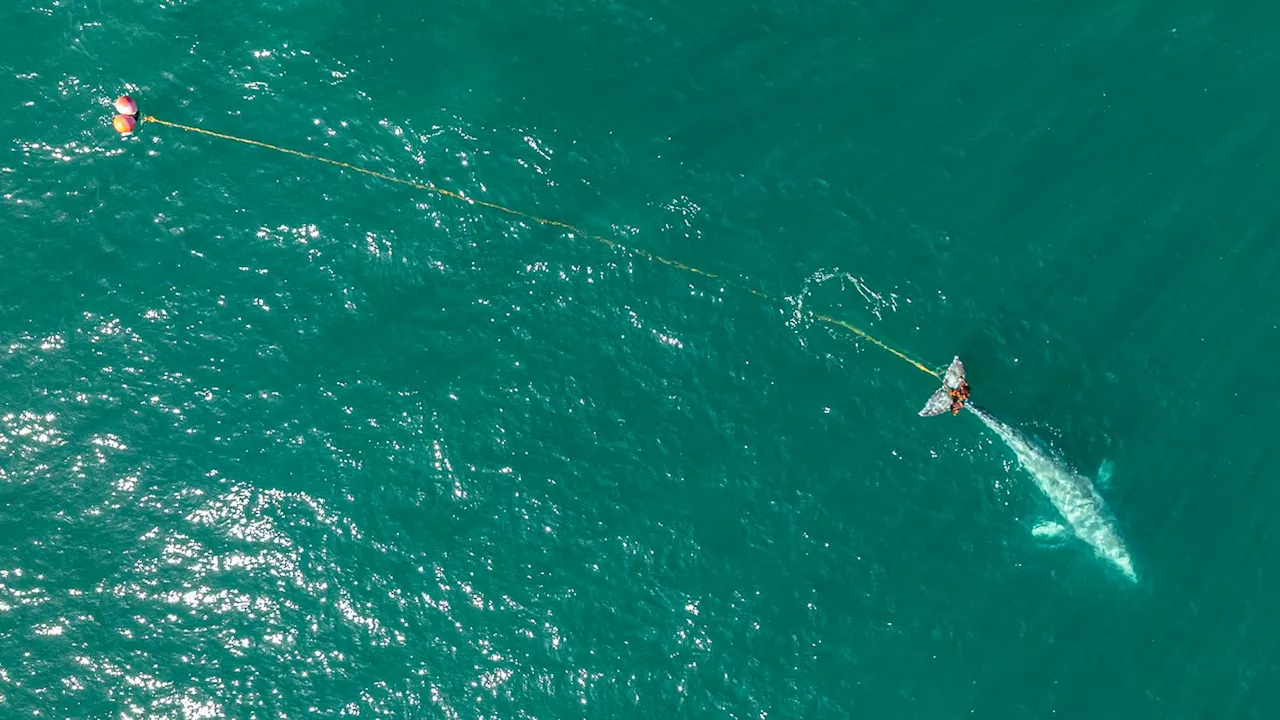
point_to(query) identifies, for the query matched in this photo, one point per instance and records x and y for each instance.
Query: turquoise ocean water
(282, 440)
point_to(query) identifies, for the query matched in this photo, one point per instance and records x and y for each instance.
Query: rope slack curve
(571, 229)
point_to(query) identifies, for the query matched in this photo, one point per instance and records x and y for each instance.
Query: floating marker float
(126, 106)
(126, 118)
(124, 124)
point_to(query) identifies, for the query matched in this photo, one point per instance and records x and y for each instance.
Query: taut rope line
(639, 252)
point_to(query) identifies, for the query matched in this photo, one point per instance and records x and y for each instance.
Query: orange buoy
(124, 124)
(126, 106)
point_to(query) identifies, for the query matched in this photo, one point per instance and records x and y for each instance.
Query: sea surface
(280, 439)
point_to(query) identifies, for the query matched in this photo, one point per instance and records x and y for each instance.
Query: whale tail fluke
(953, 394)
(938, 403)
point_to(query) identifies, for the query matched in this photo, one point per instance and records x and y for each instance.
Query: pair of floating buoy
(126, 118)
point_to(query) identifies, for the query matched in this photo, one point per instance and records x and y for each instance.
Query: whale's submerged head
(1126, 566)
(1115, 552)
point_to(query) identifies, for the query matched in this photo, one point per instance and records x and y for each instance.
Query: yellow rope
(639, 252)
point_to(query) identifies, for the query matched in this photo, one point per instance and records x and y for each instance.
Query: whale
(1073, 495)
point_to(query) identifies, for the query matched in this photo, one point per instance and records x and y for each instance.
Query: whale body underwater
(1072, 494)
